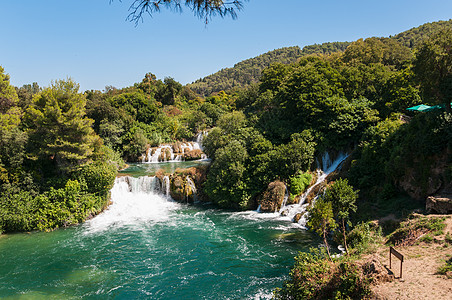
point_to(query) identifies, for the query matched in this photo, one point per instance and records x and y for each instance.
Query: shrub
(364, 237)
(299, 182)
(446, 269)
(314, 277)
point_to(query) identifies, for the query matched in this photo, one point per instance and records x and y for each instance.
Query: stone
(273, 197)
(298, 217)
(439, 204)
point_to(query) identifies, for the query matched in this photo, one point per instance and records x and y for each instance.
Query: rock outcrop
(439, 204)
(185, 184)
(273, 197)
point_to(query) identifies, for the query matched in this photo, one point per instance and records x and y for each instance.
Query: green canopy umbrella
(420, 107)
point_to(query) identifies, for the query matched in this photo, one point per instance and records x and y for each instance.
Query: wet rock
(273, 197)
(193, 154)
(298, 217)
(177, 188)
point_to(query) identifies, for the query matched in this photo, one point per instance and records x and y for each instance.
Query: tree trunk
(326, 244)
(345, 236)
(448, 108)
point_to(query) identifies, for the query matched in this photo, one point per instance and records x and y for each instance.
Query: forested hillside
(415, 36)
(247, 72)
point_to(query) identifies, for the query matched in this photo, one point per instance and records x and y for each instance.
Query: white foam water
(135, 202)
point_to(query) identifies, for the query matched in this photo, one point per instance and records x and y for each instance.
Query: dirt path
(419, 280)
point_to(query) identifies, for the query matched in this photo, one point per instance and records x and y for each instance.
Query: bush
(99, 177)
(299, 183)
(364, 238)
(446, 269)
(315, 277)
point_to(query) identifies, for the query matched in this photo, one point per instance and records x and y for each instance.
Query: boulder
(298, 217)
(177, 188)
(273, 197)
(439, 204)
(193, 154)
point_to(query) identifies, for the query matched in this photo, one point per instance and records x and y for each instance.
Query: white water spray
(135, 203)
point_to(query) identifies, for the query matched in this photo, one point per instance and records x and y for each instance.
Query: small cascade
(166, 186)
(199, 139)
(174, 152)
(192, 186)
(188, 146)
(286, 197)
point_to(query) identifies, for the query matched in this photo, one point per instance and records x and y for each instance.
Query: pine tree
(60, 131)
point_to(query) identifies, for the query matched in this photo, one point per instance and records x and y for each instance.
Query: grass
(446, 268)
(416, 226)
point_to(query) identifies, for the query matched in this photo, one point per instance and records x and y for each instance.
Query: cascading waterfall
(301, 208)
(168, 153)
(286, 197)
(135, 202)
(200, 138)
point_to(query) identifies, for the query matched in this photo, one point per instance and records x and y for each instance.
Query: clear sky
(90, 40)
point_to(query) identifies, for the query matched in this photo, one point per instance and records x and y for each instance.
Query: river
(145, 246)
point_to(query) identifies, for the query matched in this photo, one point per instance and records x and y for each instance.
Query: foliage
(377, 51)
(343, 198)
(225, 182)
(314, 277)
(364, 238)
(414, 227)
(51, 209)
(298, 183)
(9, 112)
(433, 68)
(244, 73)
(201, 8)
(321, 219)
(446, 269)
(415, 36)
(59, 129)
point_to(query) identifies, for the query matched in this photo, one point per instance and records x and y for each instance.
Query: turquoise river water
(145, 246)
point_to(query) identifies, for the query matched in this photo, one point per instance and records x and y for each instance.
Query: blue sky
(90, 40)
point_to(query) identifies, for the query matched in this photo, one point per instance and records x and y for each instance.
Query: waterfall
(135, 202)
(291, 211)
(199, 138)
(192, 186)
(286, 197)
(166, 186)
(174, 152)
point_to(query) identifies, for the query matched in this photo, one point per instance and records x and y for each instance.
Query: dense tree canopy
(433, 67)
(59, 127)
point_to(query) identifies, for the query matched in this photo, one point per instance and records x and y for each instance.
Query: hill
(414, 36)
(249, 71)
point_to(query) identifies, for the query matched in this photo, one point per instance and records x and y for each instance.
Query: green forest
(268, 118)
(54, 140)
